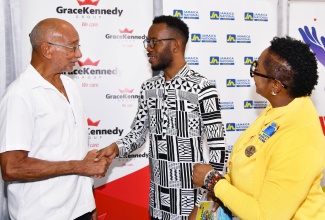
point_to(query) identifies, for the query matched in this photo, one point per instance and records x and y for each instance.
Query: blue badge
(268, 132)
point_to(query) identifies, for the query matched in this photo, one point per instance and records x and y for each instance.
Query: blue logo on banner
(230, 127)
(178, 13)
(231, 82)
(214, 15)
(238, 83)
(248, 104)
(231, 38)
(214, 60)
(196, 37)
(249, 16)
(236, 127)
(248, 60)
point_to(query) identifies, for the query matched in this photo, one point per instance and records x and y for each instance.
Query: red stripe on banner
(124, 198)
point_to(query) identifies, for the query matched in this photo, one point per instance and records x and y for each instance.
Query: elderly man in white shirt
(43, 133)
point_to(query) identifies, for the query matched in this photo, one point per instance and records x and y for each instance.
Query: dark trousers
(86, 216)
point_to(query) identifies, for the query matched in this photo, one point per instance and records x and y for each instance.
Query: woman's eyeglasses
(254, 72)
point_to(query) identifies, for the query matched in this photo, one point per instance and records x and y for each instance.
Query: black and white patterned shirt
(177, 114)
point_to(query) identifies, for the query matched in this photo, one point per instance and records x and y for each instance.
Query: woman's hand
(216, 201)
(199, 173)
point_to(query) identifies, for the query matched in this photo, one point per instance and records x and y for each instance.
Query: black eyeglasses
(75, 48)
(153, 41)
(253, 72)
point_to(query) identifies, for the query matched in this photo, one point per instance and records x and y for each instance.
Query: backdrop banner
(307, 24)
(225, 38)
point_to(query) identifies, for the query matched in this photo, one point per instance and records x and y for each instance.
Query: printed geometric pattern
(177, 114)
(194, 124)
(165, 200)
(185, 152)
(214, 130)
(155, 172)
(187, 201)
(174, 177)
(209, 105)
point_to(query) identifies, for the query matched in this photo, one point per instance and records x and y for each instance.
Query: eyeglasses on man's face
(75, 48)
(153, 41)
(254, 72)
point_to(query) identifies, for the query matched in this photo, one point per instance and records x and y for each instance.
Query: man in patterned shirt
(177, 107)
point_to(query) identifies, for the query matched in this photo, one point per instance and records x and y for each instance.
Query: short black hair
(297, 67)
(174, 23)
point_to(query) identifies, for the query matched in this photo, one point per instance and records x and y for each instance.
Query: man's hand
(95, 168)
(109, 152)
(315, 45)
(199, 173)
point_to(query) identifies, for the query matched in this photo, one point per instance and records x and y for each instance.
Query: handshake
(97, 162)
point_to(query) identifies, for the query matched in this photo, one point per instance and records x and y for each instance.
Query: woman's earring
(273, 93)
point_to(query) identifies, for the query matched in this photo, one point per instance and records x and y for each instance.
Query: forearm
(31, 169)
(137, 136)
(134, 139)
(213, 126)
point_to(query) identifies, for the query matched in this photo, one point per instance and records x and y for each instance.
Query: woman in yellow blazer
(276, 165)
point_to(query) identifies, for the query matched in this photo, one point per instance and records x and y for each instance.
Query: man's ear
(46, 50)
(177, 44)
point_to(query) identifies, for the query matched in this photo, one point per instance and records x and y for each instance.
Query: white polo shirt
(36, 118)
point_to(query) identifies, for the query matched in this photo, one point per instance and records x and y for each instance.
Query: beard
(164, 61)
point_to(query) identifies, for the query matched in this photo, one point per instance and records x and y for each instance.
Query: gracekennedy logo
(88, 2)
(92, 123)
(126, 31)
(90, 67)
(98, 133)
(125, 34)
(126, 90)
(124, 95)
(88, 62)
(89, 11)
